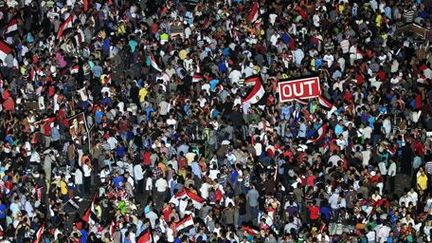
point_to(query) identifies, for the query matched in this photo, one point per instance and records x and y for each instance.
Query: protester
(160, 121)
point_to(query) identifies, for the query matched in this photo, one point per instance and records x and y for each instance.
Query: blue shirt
(196, 170)
(84, 236)
(3, 209)
(118, 181)
(338, 130)
(98, 116)
(213, 84)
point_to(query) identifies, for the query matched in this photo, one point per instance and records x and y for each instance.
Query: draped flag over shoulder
(39, 233)
(321, 133)
(145, 237)
(257, 92)
(12, 26)
(67, 24)
(154, 63)
(253, 12)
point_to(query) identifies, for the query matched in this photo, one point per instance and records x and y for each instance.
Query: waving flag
(250, 231)
(12, 26)
(326, 104)
(145, 237)
(257, 92)
(185, 223)
(39, 233)
(90, 213)
(154, 63)
(253, 12)
(197, 201)
(67, 24)
(321, 133)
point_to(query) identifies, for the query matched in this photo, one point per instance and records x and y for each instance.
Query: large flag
(145, 237)
(90, 213)
(257, 92)
(186, 222)
(253, 12)
(67, 24)
(154, 63)
(12, 26)
(39, 233)
(322, 131)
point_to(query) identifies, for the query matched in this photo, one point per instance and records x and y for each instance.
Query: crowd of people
(126, 121)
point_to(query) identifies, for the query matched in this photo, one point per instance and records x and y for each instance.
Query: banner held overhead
(300, 89)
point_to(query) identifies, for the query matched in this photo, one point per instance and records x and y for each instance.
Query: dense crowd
(126, 121)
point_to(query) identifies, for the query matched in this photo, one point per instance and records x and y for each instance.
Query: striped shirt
(428, 167)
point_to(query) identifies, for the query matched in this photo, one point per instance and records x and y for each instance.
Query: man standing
(252, 200)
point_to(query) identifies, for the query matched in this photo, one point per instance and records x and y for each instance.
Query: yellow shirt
(63, 188)
(378, 20)
(422, 182)
(142, 94)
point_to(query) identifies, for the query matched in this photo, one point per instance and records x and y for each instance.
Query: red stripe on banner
(253, 12)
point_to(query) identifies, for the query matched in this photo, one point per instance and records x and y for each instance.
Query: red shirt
(314, 212)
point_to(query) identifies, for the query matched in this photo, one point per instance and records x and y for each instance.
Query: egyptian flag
(5, 49)
(197, 77)
(257, 92)
(90, 216)
(154, 63)
(74, 69)
(12, 26)
(39, 233)
(253, 12)
(145, 237)
(326, 104)
(111, 228)
(185, 223)
(67, 24)
(73, 203)
(250, 231)
(197, 201)
(322, 131)
(79, 37)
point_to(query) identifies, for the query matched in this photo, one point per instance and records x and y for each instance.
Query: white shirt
(112, 142)
(138, 172)
(78, 177)
(87, 170)
(235, 76)
(392, 170)
(161, 185)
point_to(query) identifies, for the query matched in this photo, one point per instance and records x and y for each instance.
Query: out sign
(306, 88)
